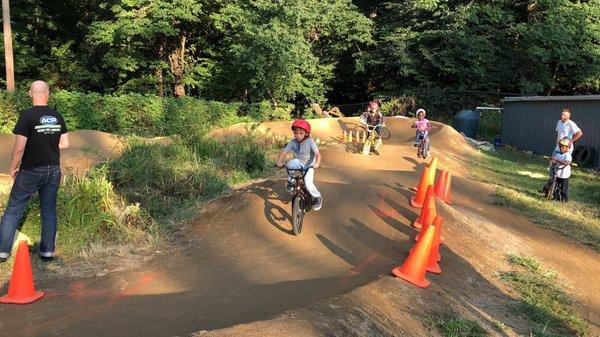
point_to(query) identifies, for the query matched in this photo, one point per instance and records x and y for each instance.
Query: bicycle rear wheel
(297, 215)
(385, 133)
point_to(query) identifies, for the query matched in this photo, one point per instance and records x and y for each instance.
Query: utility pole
(8, 49)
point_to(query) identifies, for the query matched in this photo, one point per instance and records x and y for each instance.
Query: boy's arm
(317, 159)
(281, 158)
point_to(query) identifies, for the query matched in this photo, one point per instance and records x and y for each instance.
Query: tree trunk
(8, 49)
(161, 82)
(177, 62)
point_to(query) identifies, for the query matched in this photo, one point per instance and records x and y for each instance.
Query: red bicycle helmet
(300, 123)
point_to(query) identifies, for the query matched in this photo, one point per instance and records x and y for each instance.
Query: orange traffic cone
(432, 264)
(429, 217)
(21, 289)
(440, 184)
(433, 169)
(413, 269)
(427, 204)
(418, 199)
(445, 189)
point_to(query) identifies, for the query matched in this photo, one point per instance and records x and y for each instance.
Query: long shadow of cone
(21, 289)
(414, 268)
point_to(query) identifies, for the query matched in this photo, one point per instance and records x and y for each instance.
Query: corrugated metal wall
(528, 123)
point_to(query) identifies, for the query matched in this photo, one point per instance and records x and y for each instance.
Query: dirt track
(240, 264)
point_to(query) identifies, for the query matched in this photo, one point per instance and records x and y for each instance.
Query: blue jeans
(45, 181)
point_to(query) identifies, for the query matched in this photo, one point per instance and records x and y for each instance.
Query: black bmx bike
(552, 188)
(302, 200)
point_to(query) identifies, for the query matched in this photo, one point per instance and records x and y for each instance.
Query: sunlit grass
(451, 324)
(542, 300)
(518, 177)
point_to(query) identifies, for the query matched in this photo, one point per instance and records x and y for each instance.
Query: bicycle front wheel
(551, 190)
(385, 133)
(297, 215)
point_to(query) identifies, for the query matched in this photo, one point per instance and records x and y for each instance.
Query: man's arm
(576, 136)
(17, 154)
(63, 143)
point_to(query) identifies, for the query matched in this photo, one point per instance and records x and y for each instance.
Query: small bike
(552, 188)
(302, 200)
(423, 146)
(373, 140)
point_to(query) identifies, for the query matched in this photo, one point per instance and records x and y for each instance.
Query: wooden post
(8, 48)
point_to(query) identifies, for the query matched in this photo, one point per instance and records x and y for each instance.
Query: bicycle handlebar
(550, 158)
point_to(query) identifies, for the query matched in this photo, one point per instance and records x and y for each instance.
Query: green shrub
(90, 212)
(142, 114)
(10, 106)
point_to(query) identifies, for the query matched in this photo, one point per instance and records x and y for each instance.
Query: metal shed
(528, 123)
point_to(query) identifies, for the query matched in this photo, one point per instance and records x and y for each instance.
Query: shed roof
(551, 98)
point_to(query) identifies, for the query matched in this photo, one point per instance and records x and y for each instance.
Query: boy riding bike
(306, 156)
(372, 117)
(560, 167)
(422, 135)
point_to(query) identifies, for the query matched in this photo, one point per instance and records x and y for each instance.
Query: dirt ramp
(87, 148)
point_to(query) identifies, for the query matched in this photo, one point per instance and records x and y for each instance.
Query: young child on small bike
(423, 126)
(560, 167)
(306, 156)
(372, 117)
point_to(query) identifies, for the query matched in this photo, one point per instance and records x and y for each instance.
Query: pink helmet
(300, 123)
(374, 105)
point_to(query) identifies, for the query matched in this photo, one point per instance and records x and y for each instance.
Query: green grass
(490, 125)
(520, 177)
(90, 212)
(451, 324)
(169, 177)
(542, 300)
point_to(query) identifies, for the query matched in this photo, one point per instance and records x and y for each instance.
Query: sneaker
(318, 203)
(47, 258)
(290, 186)
(3, 259)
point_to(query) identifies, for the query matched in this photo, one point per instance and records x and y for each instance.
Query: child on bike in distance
(561, 167)
(423, 126)
(372, 117)
(306, 156)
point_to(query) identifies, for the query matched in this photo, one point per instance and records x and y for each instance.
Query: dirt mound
(240, 265)
(87, 149)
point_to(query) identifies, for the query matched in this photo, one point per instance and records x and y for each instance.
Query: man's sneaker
(318, 203)
(47, 258)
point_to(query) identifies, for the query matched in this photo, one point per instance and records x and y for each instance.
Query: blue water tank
(467, 122)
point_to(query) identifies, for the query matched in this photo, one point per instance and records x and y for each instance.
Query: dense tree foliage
(302, 51)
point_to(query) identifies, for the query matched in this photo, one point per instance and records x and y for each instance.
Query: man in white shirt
(566, 128)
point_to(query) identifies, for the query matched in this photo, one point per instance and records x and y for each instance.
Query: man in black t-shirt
(40, 133)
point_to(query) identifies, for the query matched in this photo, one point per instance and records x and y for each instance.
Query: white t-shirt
(564, 171)
(566, 130)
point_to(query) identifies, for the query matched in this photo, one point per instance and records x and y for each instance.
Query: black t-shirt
(43, 127)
